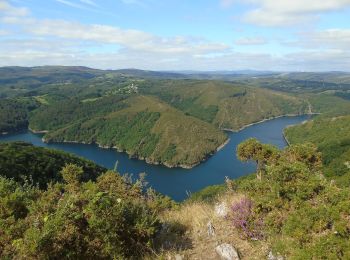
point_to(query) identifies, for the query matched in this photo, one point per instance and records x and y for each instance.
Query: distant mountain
(149, 73)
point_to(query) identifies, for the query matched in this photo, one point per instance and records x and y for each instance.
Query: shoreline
(284, 133)
(183, 166)
(285, 138)
(223, 145)
(266, 119)
(38, 132)
(147, 160)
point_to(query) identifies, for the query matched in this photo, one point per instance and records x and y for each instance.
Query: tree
(252, 149)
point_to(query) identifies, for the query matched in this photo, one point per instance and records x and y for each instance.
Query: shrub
(107, 219)
(248, 222)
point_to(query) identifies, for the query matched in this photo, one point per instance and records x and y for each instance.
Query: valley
(168, 156)
(176, 122)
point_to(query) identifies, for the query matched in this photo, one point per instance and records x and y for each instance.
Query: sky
(206, 35)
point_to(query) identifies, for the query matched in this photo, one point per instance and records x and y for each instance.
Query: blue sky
(284, 35)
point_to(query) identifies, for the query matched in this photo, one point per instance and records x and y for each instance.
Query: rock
(211, 229)
(271, 256)
(221, 209)
(179, 257)
(227, 252)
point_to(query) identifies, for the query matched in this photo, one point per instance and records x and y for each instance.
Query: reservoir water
(176, 182)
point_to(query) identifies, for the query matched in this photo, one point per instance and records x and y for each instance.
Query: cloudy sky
(282, 35)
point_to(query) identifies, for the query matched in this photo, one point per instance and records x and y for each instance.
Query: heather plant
(247, 220)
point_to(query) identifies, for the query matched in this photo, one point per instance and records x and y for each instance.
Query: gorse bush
(305, 216)
(111, 218)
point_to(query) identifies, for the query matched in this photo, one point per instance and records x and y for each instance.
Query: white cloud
(251, 41)
(132, 39)
(89, 2)
(10, 10)
(58, 42)
(131, 1)
(51, 52)
(129, 39)
(4, 32)
(71, 4)
(330, 38)
(286, 12)
(227, 3)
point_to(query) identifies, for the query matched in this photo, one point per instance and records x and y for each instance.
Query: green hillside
(159, 117)
(332, 137)
(14, 114)
(143, 126)
(24, 162)
(226, 105)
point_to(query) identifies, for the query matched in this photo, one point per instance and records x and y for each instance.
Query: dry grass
(192, 240)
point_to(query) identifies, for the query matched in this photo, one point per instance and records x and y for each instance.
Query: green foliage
(190, 107)
(252, 149)
(208, 194)
(66, 112)
(332, 137)
(72, 174)
(130, 133)
(111, 218)
(14, 114)
(304, 215)
(343, 94)
(15, 201)
(145, 128)
(329, 105)
(24, 162)
(169, 153)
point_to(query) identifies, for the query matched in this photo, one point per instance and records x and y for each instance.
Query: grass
(42, 99)
(189, 223)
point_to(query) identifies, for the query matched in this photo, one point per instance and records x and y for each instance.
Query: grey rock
(271, 256)
(179, 257)
(227, 252)
(221, 209)
(211, 229)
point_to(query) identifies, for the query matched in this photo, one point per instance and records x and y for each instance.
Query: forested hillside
(332, 137)
(227, 105)
(14, 114)
(143, 126)
(25, 163)
(167, 118)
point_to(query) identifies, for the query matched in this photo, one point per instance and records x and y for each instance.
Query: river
(176, 182)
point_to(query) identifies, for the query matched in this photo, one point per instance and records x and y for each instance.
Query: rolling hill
(332, 137)
(143, 126)
(157, 116)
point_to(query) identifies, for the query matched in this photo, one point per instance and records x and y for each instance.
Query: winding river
(178, 183)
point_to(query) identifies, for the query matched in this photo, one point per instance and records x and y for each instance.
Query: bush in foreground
(110, 218)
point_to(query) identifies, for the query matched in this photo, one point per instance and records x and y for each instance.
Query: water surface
(176, 182)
